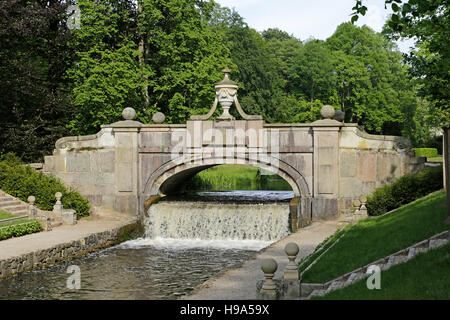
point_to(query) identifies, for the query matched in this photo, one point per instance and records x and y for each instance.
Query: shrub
(22, 181)
(20, 229)
(404, 190)
(426, 152)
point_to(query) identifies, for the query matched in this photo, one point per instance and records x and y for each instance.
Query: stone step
(9, 203)
(435, 243)
(15, 209)
(317, 293)
(355, 276)
(334, 285)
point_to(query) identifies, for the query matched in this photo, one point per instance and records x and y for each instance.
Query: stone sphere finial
(327, 112)
(356, 203)
(339, 115)
(158, 117)
(363, 199)
(31, 199)
(269, 266)
(128, 113)
(291, 249)
(58, 195)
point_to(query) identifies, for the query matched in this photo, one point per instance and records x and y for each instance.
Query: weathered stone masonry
(327, 163)
(58, 253)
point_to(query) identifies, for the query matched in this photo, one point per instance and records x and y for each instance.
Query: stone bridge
(327, 163)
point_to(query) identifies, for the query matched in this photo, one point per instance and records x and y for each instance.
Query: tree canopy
(165, 55)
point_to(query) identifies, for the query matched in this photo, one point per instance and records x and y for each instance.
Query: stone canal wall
(57, 253)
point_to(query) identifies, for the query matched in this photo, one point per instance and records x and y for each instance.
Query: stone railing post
(356, 205)
(31, 208)
(48, 223)
(363, 210)
(269, 288)
(291, 281)
(58, 207)
(291, 271)
(68, 216)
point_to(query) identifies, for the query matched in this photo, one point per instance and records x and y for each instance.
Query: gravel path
(240, 283)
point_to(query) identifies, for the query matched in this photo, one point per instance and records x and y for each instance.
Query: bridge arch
(168, 178)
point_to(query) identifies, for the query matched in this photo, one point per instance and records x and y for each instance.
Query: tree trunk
(142, 61)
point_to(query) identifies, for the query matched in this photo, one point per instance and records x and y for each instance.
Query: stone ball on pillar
(327, 112)
(31, 199)
(339, 115)
(128, 113)
(291, 249)
(158, 117)
(58, 195)
(363, 199)
(269, 266)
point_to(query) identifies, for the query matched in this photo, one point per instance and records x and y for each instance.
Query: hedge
(426, 152)
(22, 181)
(20, 229)
(404, 190)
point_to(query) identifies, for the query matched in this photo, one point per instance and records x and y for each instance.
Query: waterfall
(218, 221)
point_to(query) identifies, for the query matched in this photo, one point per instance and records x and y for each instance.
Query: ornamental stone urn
(225, 92)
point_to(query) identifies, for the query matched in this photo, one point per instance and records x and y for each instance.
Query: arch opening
(224, 177)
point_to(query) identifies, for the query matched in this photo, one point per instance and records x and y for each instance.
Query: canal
(188, 241)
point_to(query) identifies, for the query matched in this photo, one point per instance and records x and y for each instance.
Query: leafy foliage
(20, 229)
(35, 106)
(164, 55)
(425, 21)
(426, 152)
(404, 190)
(23, 181)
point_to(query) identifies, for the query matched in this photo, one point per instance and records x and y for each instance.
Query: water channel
(188, 241)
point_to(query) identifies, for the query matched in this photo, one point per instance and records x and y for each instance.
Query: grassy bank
(236, 177)
(378, 237)
(426, 276)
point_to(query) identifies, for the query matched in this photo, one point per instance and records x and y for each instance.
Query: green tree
(373, 86)
(35, 102)
(284, 48)
(164, 47)
(312, 72)
(425, 21)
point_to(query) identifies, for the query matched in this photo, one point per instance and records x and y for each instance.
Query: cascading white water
(218, 221)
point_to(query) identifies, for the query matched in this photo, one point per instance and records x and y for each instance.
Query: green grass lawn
(6, 215)
(426, 276)
(236, 177)
(378, 237)
(436, 159)
(11, 223)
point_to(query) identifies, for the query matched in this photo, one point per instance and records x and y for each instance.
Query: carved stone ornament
(225, 95)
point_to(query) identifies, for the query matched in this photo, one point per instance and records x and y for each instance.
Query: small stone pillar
(363, 210)
(356, 205)
(68, 216)
(31, 208)
(48, 223)
(291, 283)
(58, 207)
(291, 272)
(269, 289)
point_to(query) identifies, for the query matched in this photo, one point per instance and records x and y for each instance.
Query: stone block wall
(369, 161)
(88, 164)
(93, 242)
